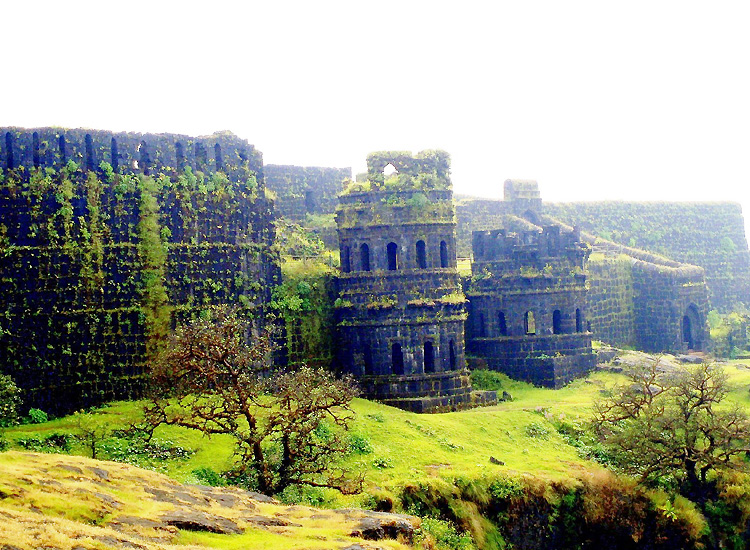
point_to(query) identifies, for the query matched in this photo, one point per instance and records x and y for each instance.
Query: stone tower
(401, 309)
(528, 294)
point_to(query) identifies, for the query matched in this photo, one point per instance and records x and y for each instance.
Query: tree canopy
(672, 425)
(287, 425)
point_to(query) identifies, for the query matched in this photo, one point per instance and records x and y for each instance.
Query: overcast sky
(637, 100)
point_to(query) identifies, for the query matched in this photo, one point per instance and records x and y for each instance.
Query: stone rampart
(106, 239)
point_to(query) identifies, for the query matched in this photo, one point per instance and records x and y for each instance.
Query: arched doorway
(687, 332)
(691, 329)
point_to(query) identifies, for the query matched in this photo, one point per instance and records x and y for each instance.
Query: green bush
(37, 416)
(10, 400)
(209, 476)
(382, 463)
(53, 443)
(483, 379)
(302, 494)
(442, 535)
(359, 444)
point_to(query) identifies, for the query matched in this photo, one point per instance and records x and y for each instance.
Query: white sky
(637, 100)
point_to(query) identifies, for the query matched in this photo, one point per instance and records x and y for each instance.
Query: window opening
(346, 265)
(502, 325)
(444, 254)
(421, 255)
(429, 357)
(90, 162)
(529, 324)
(556, 322)
(364, 255)
(397, 359)
(392, 250)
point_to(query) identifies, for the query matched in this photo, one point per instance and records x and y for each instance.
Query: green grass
(412, 446)
(408, 447)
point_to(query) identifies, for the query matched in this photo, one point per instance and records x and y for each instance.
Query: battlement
(429, 169)
(537, 248)
(107, 240)
(23, 149)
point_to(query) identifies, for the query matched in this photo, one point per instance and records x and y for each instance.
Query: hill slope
(65, 502)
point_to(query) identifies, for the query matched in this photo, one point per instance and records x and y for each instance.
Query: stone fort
(108, 239)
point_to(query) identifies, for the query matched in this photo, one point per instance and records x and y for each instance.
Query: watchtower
(401, 309)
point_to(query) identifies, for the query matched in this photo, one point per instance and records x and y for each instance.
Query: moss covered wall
(303, 190)
(710, 235)
(609, 302)
(106, 239)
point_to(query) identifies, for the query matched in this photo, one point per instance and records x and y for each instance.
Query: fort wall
(106, 239)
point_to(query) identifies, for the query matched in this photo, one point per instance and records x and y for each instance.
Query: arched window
(392, 250)
(114, 155)
(421, 255)
(389, 170)
(368, 359)
(397, 359)
(145, 159)
(579, 321)
(481, 325)
(452, 353)
(529, 325)
(35, 149)
(346, 265)
(502, 325)
(556, 322)
(218, 158)
(90, 162)
(9, 161)
(179, 152)
(444, 261)
(429, 357)
(364, 257)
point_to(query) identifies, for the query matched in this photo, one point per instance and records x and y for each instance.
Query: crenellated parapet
(107, 239)
(527, 295)
(23, 149)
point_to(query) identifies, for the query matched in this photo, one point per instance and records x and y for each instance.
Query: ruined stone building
(108, 239)
(527, 295)
(401, 309)
(633, 297)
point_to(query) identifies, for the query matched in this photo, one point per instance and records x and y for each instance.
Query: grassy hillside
(459, 466)
(63, 502)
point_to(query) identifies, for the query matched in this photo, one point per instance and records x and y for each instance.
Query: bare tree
(674, 423)
(286, 425)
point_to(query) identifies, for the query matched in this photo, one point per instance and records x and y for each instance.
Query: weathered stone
(378, 528)
(67, 467)
(136, 521)
(93, 348)
(100, 473)
(270, 522)
(194, 520)
(119, 543)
